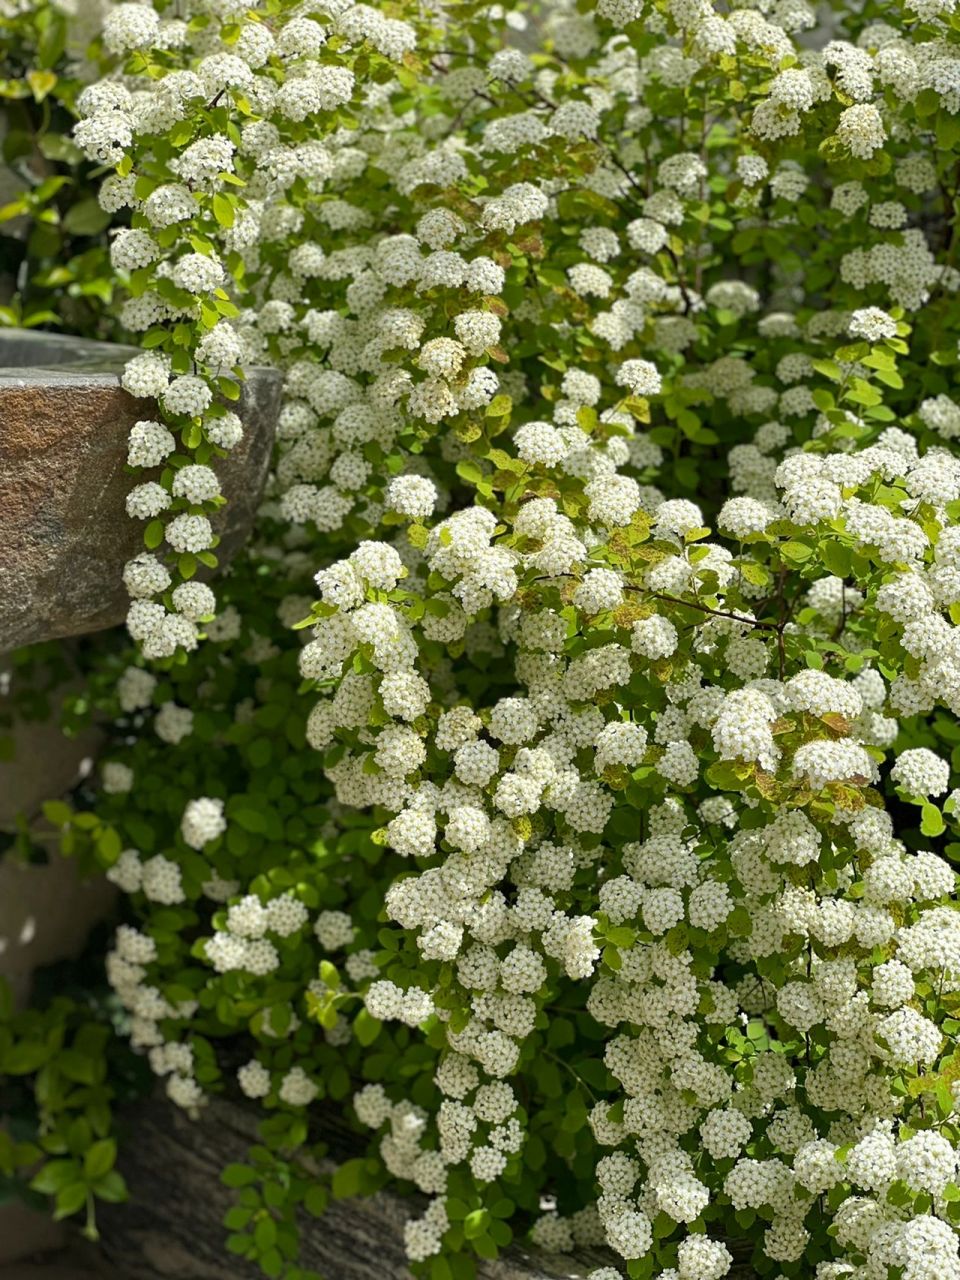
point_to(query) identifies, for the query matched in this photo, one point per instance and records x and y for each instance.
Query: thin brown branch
(715, 613)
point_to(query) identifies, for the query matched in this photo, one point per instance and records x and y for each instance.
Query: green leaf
(77, 1066)
(70, 1200)
(181, 133)
(823, 399)
(13, 209)
(153, 535)
(56, 1175)
(948, 131)
(57, 812)
(469, 471)
(109, 845)
(25, 1057)
(223, 210)
(99, 1159)
(485, 1247)
(475, 1223)
(238, 1175)
(462, 1266)
(252, 820)
(829, 369)
(500, 1233)
(836, 558)
(41, 83)
(227, 308)
(57, 146)
(757, 574)
(111, 1187)
(86, 219)
(499, 406)
(456, 1209)
(927, 102)
(931, 821)
(890, 378)
(315, 1200)
(265, 1234)
(271, 1262)
(796, 552)
(366, 1028)
(740, 923)
(348, 1179)
(853, 351)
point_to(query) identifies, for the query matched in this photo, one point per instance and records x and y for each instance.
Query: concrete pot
(64, 532)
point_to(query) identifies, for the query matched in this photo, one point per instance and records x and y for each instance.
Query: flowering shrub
(584, 828)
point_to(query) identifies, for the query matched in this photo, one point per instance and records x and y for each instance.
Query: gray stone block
(64, 531)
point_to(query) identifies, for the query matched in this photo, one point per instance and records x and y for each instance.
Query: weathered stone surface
(172, 1227)
(43, 763)
(24, 1232)
(46, 913)
(64, 531)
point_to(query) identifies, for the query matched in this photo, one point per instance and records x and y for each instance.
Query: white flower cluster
(188, 280)
(632, 767)
(516, 793)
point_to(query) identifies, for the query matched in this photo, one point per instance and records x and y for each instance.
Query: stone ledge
(64, 532)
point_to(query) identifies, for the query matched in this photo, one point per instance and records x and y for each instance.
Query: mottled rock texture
(64, 531)
(172, 1227)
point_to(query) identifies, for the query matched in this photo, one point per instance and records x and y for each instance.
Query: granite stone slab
(64, 532)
